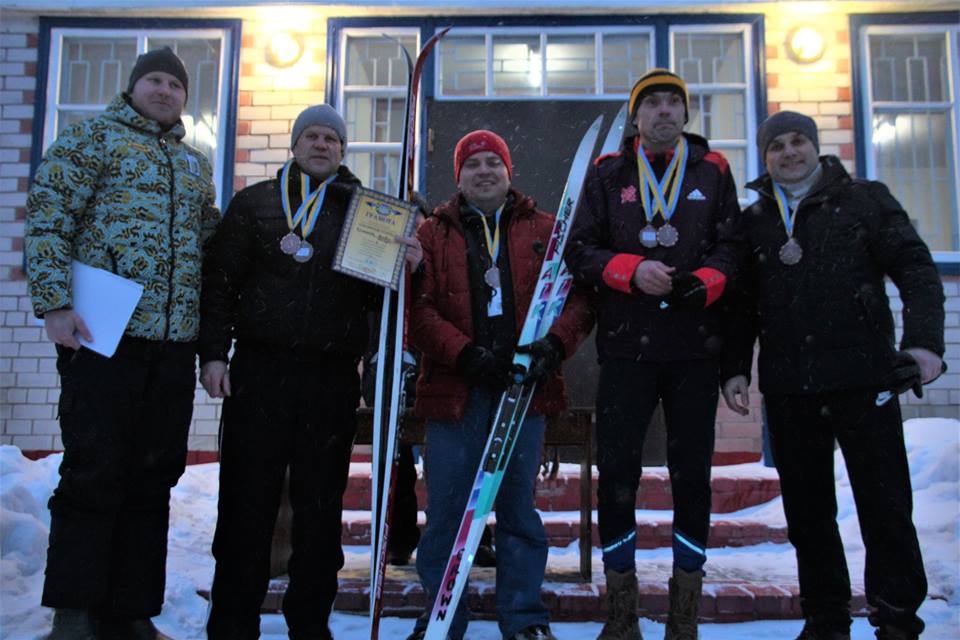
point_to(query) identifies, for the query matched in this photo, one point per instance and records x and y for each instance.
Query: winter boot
(73, 624)
(813, 630)
(685, 589)
(887, 632)
(536, 632)
(129, 629)
(622, 601)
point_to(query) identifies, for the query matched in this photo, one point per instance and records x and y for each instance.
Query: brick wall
(269, 101)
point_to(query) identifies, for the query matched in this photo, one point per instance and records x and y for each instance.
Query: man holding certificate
(482, 256)
(120, 193)
(654, 235)
(292, 387)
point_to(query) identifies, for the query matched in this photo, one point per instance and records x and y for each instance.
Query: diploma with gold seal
(367, 249)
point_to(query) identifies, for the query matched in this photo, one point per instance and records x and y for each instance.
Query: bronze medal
(492, 277)
(667, 235)
(791, 252)
(304, 253)
(290, 243)
(648, 236)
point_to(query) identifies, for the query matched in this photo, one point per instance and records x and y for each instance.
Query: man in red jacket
(482, 256)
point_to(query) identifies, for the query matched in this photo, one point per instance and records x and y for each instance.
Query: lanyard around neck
(310, 202)
(665, 205)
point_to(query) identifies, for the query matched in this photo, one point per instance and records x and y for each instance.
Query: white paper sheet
(105, 302)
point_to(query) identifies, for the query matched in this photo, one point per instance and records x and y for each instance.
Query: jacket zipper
(173, 251)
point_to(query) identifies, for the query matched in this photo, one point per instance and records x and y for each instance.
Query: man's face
(660, 118)
(159, 96)
(318, 151)
(484, 181)
(790, 157)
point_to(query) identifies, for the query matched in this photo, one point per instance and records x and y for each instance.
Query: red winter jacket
(441, 324)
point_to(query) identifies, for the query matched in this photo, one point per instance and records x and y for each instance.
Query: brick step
(573, 601)
(562, 529)
(734, 488)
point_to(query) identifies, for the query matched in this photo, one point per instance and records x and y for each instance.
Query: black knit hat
(659, 80)
(159, 60)
(786, 122)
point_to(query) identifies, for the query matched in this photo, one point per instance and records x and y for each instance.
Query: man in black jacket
(292, 387)
(818, 247)
(653, 235)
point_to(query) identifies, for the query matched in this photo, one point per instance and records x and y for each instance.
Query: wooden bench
(572, 428)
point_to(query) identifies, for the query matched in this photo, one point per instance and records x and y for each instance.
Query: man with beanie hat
(482, 255)
(291, 388)
(654, 234)
(121, 192)
(817, 247)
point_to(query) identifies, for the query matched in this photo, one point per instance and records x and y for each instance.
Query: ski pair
(549, 296)
(389, 398)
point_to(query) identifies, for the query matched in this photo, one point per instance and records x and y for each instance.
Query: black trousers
(628, 394)
(404, 532)
(802, 433)
(124, 423)
(283, 412)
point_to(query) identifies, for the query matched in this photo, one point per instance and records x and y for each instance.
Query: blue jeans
(453, 451)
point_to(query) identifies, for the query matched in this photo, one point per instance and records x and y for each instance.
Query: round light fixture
(284, 49)
(805, 45)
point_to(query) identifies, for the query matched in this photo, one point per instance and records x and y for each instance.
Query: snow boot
(887, 632)
(129, 629)
(73, 624)
(536, 632)
(622, 600)
(815, 631)
(685, 590)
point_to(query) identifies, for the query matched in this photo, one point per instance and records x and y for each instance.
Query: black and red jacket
(604, 250)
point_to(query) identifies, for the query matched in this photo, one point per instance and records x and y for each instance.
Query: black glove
(548, 354)
(480, 366)
(904, 375)
(689, 291)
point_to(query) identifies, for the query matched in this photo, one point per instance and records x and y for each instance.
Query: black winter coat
(608, 222)
(258, 295)
(825, 323)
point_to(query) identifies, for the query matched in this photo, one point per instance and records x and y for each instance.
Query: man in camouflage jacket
(123, 193)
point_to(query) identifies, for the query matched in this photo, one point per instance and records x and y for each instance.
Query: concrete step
(734, 487)
(652, 533)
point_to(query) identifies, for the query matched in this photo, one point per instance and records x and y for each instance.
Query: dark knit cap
(786, 122)
(321, 114)
(659, 80)
(159, 60)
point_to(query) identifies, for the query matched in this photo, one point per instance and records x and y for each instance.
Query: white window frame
(748, 88)
(53, 105)
(543, 34)
(376, 91)
(951, 33)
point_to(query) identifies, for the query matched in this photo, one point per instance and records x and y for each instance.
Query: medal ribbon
(493, 244)
(673, 176)
(785, 214)
(309, 209)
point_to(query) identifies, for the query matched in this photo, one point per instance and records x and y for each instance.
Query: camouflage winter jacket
(118, 193)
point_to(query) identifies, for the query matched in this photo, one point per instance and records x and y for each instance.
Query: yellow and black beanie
(659, 80)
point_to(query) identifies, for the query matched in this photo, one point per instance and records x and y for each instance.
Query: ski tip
(444, 31)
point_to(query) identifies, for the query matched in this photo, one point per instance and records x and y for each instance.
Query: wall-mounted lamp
(284, 49)
(805, 45)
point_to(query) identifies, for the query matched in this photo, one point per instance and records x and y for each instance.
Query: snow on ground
(933, 446)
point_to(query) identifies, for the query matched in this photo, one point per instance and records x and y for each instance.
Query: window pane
(66, 117)
(94, 70)
(718, 115)
(709, 57)
(516, 65)
(378, 61)
(375, 119)
(625, 59)
(201, 58)
(463, 66)
(914, 158)
(909, 68)
(377, 170)
(571, 64)
(737, 157)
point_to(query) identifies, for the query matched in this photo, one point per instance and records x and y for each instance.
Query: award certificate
(367, 249)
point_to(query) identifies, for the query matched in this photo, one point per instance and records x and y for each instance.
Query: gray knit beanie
(322, 114)
(785, 122)
(159, 60)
